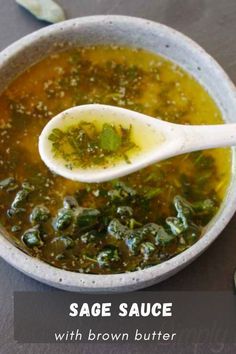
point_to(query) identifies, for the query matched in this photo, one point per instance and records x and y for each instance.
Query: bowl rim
(74, 281)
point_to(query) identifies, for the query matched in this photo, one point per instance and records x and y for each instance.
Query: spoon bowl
(160, 140)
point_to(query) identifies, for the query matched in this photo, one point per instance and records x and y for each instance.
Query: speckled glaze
(156, 38)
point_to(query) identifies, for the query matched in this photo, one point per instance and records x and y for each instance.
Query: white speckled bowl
(156, 38)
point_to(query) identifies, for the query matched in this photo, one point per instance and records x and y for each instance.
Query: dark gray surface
(212, 23)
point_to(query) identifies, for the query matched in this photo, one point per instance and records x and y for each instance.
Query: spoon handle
(197, 137)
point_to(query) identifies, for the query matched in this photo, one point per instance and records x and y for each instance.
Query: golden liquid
(142, 139)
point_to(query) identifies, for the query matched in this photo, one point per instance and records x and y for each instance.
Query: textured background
(212, 23)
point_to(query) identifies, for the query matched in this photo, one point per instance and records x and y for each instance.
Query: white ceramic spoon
(161, 140)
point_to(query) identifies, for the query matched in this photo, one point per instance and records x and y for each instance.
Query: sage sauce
(126, 224)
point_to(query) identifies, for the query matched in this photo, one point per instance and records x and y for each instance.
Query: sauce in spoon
(97, 143)
(84, 141)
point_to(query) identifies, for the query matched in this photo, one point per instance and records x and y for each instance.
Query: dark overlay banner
(161, 317)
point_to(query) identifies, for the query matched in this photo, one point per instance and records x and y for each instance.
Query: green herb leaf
(86, 217)
(147, 249)
(64, 219)
(32, 238)
(40, 214)
(108, 255)
(55, 135)
(176, 225)
(109, 138)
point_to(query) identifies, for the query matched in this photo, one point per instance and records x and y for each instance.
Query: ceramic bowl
(159, 39)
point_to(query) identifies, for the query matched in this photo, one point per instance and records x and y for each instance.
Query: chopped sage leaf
(109, 138)
(18, 204)
(32, 238)
(63, 219)
(147, 249)
(108, 256)
(40, 214)
(133, 241)
(86, 217)
(176, 225)
(117, 230)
